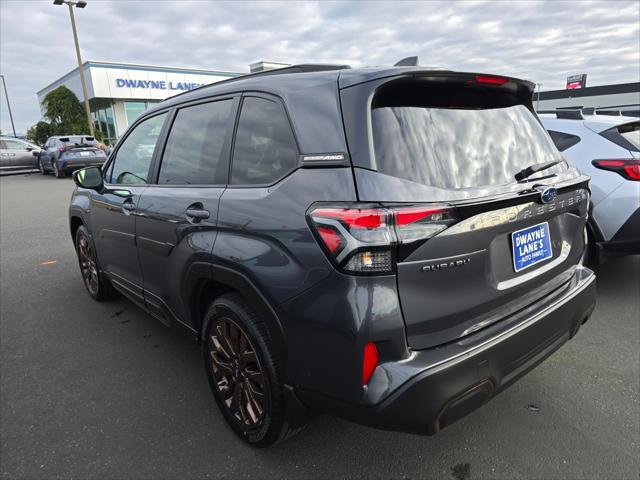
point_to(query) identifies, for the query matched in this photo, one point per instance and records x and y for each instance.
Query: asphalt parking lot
(101, 390)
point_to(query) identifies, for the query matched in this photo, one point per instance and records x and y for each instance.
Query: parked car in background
(110, 147)
(607, 148)
(16, 154)
(67, 153)
(395, 245)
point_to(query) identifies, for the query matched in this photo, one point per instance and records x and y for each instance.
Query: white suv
(607, 148)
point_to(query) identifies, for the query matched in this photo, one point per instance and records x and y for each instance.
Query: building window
(134, 109)
(103, 120)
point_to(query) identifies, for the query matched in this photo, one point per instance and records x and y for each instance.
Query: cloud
(541, 41)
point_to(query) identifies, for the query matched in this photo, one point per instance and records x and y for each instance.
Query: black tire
(41, 167)
(95, 281)
(57, 172)
(233, 374)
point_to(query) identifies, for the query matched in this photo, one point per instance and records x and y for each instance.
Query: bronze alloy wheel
(88, 264)
(237, 374)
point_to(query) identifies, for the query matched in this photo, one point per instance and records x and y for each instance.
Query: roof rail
(618, 110)
(302, 68)
(565, 114)
(612, 112)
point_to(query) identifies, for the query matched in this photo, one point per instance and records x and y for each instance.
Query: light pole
(6, 94)
(539, 85)
(79, 4)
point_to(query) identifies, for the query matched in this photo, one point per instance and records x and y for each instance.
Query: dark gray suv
(67, 153)
(392, 245)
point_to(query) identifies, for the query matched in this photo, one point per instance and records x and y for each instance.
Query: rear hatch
(79, 147)
(454, 144)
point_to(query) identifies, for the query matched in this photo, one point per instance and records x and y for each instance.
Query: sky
(540, 41)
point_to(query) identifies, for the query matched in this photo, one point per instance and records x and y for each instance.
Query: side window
(3, 145)
(562, 140)
(265, 149)
(15, 145)
(133, 158)
(194, 146)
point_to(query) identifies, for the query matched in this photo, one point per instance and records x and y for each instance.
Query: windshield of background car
(451, 146)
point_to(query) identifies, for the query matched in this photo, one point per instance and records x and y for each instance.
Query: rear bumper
(446, 383)
(71, 165)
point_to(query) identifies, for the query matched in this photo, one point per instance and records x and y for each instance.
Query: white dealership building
(120, 92)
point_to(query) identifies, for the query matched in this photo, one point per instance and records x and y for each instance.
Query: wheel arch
(75, 222)
(205, 282)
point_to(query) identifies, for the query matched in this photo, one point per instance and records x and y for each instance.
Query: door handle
(197, 214)
(128, 206)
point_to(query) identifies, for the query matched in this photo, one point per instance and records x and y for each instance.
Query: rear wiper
(527, 172)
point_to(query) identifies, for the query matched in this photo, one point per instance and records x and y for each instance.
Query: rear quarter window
(563, 141)
(265, 149)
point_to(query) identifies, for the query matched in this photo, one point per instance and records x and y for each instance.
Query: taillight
(331, 239)
(415, 223)
(491, 79)
(369, 361)
(362, 239)
(628, 168)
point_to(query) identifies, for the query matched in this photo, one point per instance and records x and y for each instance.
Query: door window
(194, 152)
(15, 145)
(133, 158)
(265, 148)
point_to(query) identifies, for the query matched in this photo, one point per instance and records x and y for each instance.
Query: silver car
(16, 154)
(607, 148)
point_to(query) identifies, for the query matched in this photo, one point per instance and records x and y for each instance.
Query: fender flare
(200, 271)
(75, 212)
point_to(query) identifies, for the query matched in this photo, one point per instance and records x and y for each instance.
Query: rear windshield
(626, 136)
(70, 141)
(458, 147)
(631, 133)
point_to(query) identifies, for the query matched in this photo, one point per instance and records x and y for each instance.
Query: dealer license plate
(530, 246)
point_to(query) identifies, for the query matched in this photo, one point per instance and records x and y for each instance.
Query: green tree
(65, 112)
(39, 133)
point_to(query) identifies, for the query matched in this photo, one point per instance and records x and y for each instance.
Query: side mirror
(29, 148)
(90, 177)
